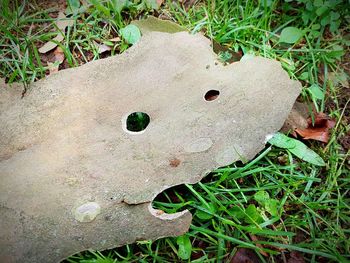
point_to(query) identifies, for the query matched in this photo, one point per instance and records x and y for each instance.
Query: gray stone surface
(72, 176)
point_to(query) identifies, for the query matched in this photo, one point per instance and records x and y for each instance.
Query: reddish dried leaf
(318, 134)
(320, 130)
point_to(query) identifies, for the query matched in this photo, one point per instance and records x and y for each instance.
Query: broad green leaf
(297, 148)
(237, 212)
(262, 197)
(306, 154)
(131, 34)
(253, 215)
(316, 92)
(290, 35)
(204, 215)
(304, 75)
(185, 247)
(321, 10)
(282, 141)
(271, 206)
(119, 5)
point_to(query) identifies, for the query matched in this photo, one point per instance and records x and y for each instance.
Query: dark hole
(137, 121)
(211, 95)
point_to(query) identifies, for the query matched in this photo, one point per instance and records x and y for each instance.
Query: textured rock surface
(70, 170)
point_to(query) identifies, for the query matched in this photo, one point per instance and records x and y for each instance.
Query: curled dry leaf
(299, 122)
(319, 130)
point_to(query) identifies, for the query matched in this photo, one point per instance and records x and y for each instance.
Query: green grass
(307, 209)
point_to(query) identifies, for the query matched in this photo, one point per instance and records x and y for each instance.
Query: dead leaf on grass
(58, 59)
(319, 130)
(115, 39)
(61, 24)
(101, 47)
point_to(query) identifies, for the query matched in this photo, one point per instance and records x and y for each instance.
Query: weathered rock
(73, 177)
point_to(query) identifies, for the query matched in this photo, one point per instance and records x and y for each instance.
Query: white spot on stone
(199, 145)
(87, 212)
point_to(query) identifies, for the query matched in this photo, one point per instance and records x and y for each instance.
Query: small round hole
(211, 95)
(137, 121)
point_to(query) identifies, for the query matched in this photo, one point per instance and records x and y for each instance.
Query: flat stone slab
(73, 177)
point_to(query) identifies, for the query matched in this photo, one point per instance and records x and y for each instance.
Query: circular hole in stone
(211, 95)
(137, 121)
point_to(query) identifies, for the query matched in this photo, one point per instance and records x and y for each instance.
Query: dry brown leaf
(59, 55)
(115, 39)
(319, 130)
(53, 67)
(101, 48)
(61, 23)
(58, 58)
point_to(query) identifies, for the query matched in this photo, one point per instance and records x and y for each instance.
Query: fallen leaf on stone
(61, 24)
(245, 255)
(319, 130)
